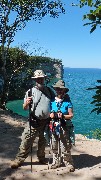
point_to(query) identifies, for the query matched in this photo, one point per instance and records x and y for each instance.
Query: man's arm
(27, 100)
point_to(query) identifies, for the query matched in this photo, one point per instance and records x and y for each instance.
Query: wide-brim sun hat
(60, 84)
(38, 74)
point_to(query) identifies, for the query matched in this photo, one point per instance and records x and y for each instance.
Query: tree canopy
(23, 11)
(94, 20)
(14, 15)
(94, 15)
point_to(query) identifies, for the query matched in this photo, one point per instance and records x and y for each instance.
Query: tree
(19, 69)
(94, 18)
(17, 60)
(22, 12)
(97, 98)
(94, 15)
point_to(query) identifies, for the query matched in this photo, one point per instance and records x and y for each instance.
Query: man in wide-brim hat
(39, 74)
(39, 99)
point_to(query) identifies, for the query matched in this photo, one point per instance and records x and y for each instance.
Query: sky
(64, 38)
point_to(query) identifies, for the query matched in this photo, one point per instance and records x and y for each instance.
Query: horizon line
(82, 67)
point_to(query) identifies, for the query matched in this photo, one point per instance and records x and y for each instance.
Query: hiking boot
(54, 166)
(15, 164)
(70, 167)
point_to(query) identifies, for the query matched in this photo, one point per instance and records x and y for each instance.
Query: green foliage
(96, 98)
(94, 15)
(95, 134)
(23, 11)
(20, 68)
(16, 60)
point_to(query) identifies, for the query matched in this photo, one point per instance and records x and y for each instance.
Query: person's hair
(67, 98)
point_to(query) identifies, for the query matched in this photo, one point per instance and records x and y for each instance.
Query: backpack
(40, 105)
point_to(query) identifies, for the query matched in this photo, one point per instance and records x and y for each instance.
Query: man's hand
(28, 101)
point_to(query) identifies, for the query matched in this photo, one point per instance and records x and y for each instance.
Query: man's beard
(40, 86)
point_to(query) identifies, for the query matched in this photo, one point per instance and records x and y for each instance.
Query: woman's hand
(69, 115)
(59, 115)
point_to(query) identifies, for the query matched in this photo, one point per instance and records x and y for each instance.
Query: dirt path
(86, 155)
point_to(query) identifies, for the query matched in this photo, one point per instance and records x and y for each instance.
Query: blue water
(77, 80)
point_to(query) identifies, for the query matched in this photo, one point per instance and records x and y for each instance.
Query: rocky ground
(86, 154)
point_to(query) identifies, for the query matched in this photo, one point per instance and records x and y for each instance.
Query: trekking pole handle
(30, 96)
(60, 115)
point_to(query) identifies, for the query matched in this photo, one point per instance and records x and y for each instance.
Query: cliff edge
(86, 154)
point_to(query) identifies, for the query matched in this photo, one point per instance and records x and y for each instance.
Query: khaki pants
(61, 146)
(27, 142)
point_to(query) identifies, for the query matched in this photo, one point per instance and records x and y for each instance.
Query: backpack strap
(52, 94)
(33, 106)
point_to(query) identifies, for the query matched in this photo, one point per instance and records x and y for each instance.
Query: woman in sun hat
(62, 109)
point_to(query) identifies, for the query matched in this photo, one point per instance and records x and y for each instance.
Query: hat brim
(38, 77)
(61, 88)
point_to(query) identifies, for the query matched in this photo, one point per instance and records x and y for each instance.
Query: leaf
(83, 1)
(99, 111)
(98, 92)
(99, 81)
(91, 88)
(98, 87)
(84, 17)
(95, 96)
(99, 8)
(91, 11)
(98, 104)
(86, 24)
(91, 17)
(95, 101)
(93, 29)
(95, 109)
(89, 2)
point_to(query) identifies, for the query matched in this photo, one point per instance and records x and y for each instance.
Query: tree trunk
(3, 73)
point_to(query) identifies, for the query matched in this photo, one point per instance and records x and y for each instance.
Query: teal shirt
(63, 106)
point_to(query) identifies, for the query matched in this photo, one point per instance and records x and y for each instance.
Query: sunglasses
(59, 89)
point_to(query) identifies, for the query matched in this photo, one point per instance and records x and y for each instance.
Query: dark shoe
(42, 161)
(70, 167)
(15, 164)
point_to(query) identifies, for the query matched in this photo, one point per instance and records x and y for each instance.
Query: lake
(77, 80)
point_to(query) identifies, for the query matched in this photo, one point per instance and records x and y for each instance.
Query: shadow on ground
(85, 160)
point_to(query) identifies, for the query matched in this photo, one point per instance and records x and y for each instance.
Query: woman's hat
(60, 84)
(39, 74)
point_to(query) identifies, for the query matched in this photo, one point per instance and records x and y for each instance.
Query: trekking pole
(50, 131)
(59, 148)
(59, 152)
(29, 95)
